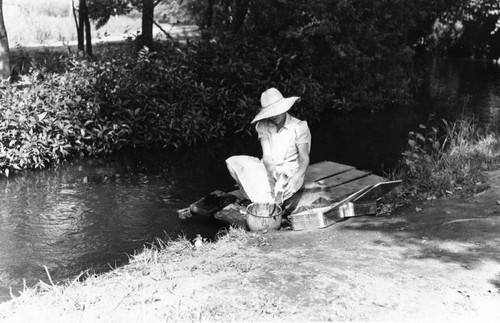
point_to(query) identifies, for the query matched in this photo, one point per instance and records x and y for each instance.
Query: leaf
(42, 116)
(412, 142)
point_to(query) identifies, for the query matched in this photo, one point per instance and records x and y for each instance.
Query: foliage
(469, 28)
(101, 10)
(361, 51)
(194, 93)
(452, 164)
(172, 97)
(47, 118)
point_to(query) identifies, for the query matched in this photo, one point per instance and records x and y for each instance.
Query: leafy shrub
(171, 97)
(186, 95)
(46, 121)
(434, 166)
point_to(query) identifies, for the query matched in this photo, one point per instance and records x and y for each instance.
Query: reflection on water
(91, 214)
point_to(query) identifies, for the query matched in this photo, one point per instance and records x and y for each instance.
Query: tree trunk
(80, 31)
(148, 9)
(86, 21)
(209, 14)
(4, 47)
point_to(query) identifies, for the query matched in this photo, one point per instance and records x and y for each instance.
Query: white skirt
(251, 176)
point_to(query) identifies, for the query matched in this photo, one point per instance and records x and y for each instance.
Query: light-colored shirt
(284, 143)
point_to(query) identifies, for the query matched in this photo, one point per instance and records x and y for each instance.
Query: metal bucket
(264, 216)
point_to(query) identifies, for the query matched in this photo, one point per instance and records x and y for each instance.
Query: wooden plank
(325, 180)
(337, 179)
(321, 170)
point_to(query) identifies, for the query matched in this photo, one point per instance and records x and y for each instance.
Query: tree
(101, 10)
(469, 28)
(86, 21)
(82, 22)
(148, 9)
(4, 47)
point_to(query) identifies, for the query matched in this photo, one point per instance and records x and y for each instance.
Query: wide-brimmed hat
(273, 103)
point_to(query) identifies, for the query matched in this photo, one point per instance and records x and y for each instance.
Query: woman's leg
(250, 174)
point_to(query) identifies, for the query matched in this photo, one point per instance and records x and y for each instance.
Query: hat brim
(276, 108)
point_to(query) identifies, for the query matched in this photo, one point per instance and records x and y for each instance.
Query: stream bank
(436, 260)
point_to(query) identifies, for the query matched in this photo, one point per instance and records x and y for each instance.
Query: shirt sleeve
(261, 131)
(303, 134)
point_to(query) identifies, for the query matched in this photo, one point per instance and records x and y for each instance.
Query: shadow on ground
(459, 231)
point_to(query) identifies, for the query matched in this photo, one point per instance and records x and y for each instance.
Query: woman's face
(279, 119)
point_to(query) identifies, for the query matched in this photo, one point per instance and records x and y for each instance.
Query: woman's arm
(303, 160)
(267, 159)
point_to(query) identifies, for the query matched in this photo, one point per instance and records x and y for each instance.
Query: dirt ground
(435, 261)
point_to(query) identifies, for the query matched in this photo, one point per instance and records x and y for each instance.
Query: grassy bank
(171, 282)
(446, 162)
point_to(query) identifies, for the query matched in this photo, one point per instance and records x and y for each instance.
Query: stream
(92, 214)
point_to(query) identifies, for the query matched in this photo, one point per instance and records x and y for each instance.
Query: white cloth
(251, 176)
(250, 172)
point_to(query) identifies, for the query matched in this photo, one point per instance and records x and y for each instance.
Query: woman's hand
(291, 184)
(275, 175)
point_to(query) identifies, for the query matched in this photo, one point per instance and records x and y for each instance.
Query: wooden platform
(317, 205)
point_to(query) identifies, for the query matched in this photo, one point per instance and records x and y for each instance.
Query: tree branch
(164, 31)
(74, 13)
(157, 3)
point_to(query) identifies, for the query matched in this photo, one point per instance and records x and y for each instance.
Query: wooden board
(337, 179)
(325, 181)
(323, 170)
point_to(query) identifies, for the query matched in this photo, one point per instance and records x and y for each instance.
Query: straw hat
(273, 103)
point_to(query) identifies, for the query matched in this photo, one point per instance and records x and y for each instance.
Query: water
(92, 214)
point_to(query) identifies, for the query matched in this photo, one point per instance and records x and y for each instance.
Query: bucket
(264, 216)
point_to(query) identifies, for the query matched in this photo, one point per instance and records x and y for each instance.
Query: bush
(171, 97)
(50, 118)
(361, 51)
(452, 165)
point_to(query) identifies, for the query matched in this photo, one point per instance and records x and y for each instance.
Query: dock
(332, 192)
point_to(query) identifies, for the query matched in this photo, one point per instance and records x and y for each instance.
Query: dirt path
(439, 263)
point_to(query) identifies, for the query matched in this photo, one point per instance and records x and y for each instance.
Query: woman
(286, 144)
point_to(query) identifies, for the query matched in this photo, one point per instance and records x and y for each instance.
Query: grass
(167, 282)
